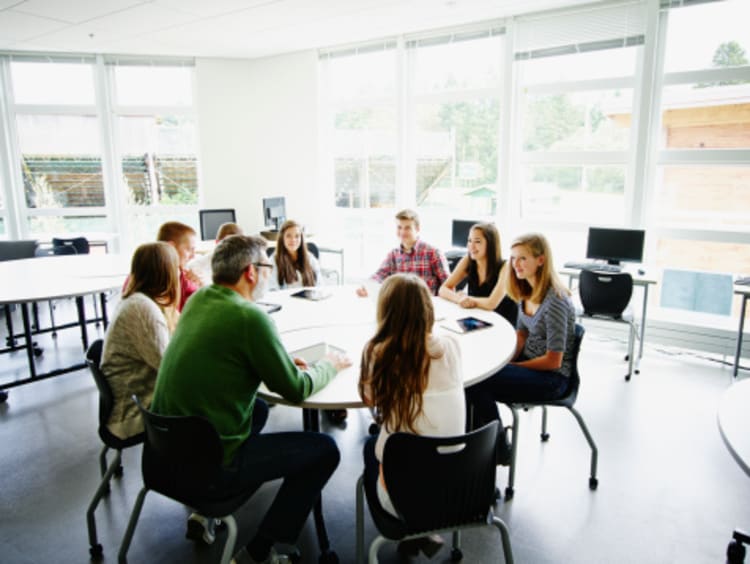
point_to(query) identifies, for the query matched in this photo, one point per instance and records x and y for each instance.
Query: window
(701, 196)
(454, 127)
(361, 116)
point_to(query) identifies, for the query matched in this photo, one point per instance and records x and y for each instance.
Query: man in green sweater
(223, 348)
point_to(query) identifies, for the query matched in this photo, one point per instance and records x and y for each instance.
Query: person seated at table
(135, 342)
(412, 255)
(482, 269)
(223, 349)
(182, 237)
(201, 264)
(413, 379)
(293, 265)
(545, 334)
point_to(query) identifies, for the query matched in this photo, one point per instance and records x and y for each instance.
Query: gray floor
(668, 489)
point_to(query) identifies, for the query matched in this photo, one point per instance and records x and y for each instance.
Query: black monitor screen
(460, 232)
(274, 212)
(615, 245)
(211, 220)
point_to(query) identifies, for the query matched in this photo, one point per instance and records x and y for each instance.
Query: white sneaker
(200, 528)
(272, 558)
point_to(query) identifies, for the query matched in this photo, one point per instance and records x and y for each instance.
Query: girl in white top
(293, 265)
(412, 377)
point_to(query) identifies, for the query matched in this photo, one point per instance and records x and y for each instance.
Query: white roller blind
(359, 49)
(586, 28)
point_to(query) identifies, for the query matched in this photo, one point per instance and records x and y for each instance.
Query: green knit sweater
(223, 348)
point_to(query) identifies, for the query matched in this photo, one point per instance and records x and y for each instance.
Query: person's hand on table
(301, 363)
(193, 277)
(339, 361)
(362, 292)
(467, 302)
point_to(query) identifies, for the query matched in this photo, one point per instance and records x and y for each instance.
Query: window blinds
(587, 28)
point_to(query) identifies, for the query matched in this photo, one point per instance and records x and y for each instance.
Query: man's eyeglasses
(266, 264)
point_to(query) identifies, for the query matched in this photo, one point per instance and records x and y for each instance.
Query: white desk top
(742, 289)
(734, 422)
(43, 278)
(347, 321)
(638, 279)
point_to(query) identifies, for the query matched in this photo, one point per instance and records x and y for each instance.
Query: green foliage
(552, 119)
(729, 54)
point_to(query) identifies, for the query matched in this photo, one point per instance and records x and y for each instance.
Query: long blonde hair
(546, 275)
(396, 361)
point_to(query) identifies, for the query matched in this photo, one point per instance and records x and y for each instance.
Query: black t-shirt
(507, 307)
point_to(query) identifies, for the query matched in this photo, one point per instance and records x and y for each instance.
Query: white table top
(43, 278)
(347, 321)
(644, 279)
(734, 422)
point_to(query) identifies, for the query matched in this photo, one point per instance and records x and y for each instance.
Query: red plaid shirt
(424, 260)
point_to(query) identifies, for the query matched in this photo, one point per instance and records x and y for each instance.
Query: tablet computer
(268, 307)
(313, 294)
(315, 352)
(466, 324)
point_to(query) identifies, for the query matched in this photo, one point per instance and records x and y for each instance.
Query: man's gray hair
(233, 255)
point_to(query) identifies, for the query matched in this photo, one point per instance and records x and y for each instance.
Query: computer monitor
(211, 220)
(615, 245)
(274, 212)
(460, 232)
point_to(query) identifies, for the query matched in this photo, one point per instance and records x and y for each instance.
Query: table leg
(739, 335)
(81, 307)
(27, 335)
(643, 321)
(103, 303)
(11, 341)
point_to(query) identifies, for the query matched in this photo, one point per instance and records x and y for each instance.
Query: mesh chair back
(606, 294)
(16, 250)
(74, 246)
(441, 482)
(182, 456)
(106, 399)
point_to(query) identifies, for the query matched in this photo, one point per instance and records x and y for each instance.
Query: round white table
(347, 321)
(47, 278)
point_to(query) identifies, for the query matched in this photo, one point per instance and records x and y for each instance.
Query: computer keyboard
(744, 281)
(593, 266)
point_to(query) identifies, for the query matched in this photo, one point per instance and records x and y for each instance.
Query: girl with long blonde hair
(545, 333)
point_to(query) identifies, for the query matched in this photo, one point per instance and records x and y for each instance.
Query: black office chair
(436, 484)
(182, 459)
(567, 401)
(106, 405)
(605, 296)
(74, 246)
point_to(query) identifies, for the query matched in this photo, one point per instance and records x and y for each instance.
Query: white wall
(258, 127)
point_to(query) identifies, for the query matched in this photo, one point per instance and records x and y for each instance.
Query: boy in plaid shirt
(412, 255)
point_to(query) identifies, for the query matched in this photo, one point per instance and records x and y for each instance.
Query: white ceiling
(232, 28)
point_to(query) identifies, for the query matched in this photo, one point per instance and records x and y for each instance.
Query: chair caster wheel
(545, 437)
(37, 351)
(3, 396)
(374, 428)
(593, 483)
(96, 552)
(328, 557)
(627, 377)
(118, 471)
(508, 494)
(456, 555)
(735, 552)
(637, 370)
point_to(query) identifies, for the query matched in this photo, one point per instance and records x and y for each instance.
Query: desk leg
(27, 335)
(11, 341)
(103, 303)
(643, 321)
(739, 335)
(80, 306)
(311, 422)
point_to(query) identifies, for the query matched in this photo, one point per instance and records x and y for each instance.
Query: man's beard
(260, 288)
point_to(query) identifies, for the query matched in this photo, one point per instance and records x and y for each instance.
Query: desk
(640, 280)
(743, 291)
(734, 421)
(348, 322)
(47, 278)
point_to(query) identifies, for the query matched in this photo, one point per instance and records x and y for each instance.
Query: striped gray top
(551, 328)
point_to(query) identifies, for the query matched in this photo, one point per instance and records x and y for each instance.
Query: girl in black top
(481, 268)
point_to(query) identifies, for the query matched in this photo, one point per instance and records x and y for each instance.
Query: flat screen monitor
(460, 232)
(274, 212)
(211, 220)
(615, 245)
